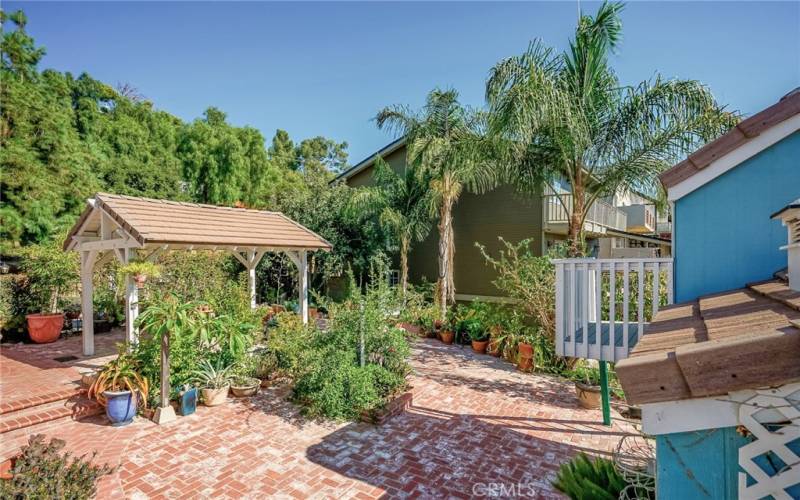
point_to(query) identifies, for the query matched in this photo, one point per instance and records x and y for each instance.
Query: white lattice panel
(780, 405)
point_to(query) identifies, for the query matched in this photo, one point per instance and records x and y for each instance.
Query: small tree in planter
(50, 272)
(140, 271)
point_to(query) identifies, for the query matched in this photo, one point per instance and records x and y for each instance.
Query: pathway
(475, 424)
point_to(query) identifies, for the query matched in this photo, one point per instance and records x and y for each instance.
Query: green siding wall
(476, 218)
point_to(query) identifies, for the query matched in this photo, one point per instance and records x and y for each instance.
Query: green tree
(321, 155)
(441, 141)
(282, 152)
(566, 116)
(402, 203)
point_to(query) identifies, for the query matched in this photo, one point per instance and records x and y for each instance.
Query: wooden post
(87, 306)
(164, 413)
(131, 304)
(303, 284)
(604, 393)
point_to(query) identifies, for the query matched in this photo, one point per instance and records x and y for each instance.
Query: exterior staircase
(37, 395)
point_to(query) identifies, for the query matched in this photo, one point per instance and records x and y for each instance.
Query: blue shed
(718, 374)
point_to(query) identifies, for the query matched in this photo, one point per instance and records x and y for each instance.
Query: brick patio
(474, 421)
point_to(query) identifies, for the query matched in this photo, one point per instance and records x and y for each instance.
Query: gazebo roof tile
(152, 221)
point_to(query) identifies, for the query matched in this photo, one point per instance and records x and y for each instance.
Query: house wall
(723, 235)
(476, 218)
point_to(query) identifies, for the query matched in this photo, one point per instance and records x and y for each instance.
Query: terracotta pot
(215, 397)
(140, 280)
(525, 360)
(588, 395)
(246, 390)
(447, 336)
(479, 346)
(313, 312)
(493, 348)
(6, 467)
(45, 328)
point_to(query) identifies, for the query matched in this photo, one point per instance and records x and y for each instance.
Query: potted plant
(215, 381)
(73, 311)
(49, 271)
(525, 342)
(120, 387)
(140, 270)
(587, 386)
(478, 336)
(496, 340)
(447, 332)
(243, 386)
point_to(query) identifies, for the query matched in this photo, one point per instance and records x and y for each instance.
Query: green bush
(52, 274)
(583, 478)
(353, 367)
(42, 471)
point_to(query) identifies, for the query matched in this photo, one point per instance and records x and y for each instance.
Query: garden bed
(395, 406)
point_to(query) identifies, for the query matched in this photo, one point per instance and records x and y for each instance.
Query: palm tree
(441, 145)
(401, 202)
(566, 117)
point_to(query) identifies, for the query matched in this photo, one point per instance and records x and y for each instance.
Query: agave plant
(121, 374)
(213, 377)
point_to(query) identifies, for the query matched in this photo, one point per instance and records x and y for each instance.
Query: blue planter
(121, 407)
(187, 401)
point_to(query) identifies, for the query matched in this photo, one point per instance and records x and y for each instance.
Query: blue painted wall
(700, 464)
(724, 237)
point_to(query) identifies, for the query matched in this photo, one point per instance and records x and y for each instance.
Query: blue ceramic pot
(121, 407)
(187, 401)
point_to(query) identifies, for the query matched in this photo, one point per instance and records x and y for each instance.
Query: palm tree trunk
(446, 251)
(575, 228)
(404, 245)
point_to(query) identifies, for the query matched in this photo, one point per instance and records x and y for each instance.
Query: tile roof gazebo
(129, 227)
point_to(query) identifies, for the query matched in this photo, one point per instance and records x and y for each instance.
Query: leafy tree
(402, 204)
(282, 153)
(442, 140)
(320, 154)
(566, 116)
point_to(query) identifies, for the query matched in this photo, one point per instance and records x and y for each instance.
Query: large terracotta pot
(45, 328)
(447, 336)
(525, 360)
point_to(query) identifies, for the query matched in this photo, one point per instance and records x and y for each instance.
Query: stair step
(76, 407)
(57, 393)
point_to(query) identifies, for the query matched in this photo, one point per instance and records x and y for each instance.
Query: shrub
(42, 471)
(51, 274)
(527, 278)
(583, 478)
(355, 366)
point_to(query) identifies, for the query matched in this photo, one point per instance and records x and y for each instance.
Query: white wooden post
(87, 307)
(303, 284)
(131, 303)
(251, 277)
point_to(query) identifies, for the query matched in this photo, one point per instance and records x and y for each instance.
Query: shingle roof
(152, 221)
(720, 343)
(746, 130)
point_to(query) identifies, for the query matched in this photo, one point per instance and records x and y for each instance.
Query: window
(394, 277)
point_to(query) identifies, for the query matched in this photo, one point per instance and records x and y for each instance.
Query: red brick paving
(475, 423)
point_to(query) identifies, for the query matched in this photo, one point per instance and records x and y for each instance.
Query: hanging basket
(140, 280)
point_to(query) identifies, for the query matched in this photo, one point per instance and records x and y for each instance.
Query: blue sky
(327, 68)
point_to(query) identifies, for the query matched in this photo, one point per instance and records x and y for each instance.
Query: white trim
(733, 158)
(698, 414)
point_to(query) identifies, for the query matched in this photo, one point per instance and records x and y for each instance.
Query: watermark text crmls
(504, 490)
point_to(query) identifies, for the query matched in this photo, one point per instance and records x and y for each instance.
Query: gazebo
(128, 228)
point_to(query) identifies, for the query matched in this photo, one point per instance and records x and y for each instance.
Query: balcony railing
(599, 212)
(663, 227)
(601, 318)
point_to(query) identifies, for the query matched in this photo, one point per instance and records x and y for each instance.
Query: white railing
(602, 318)
(599, 212)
